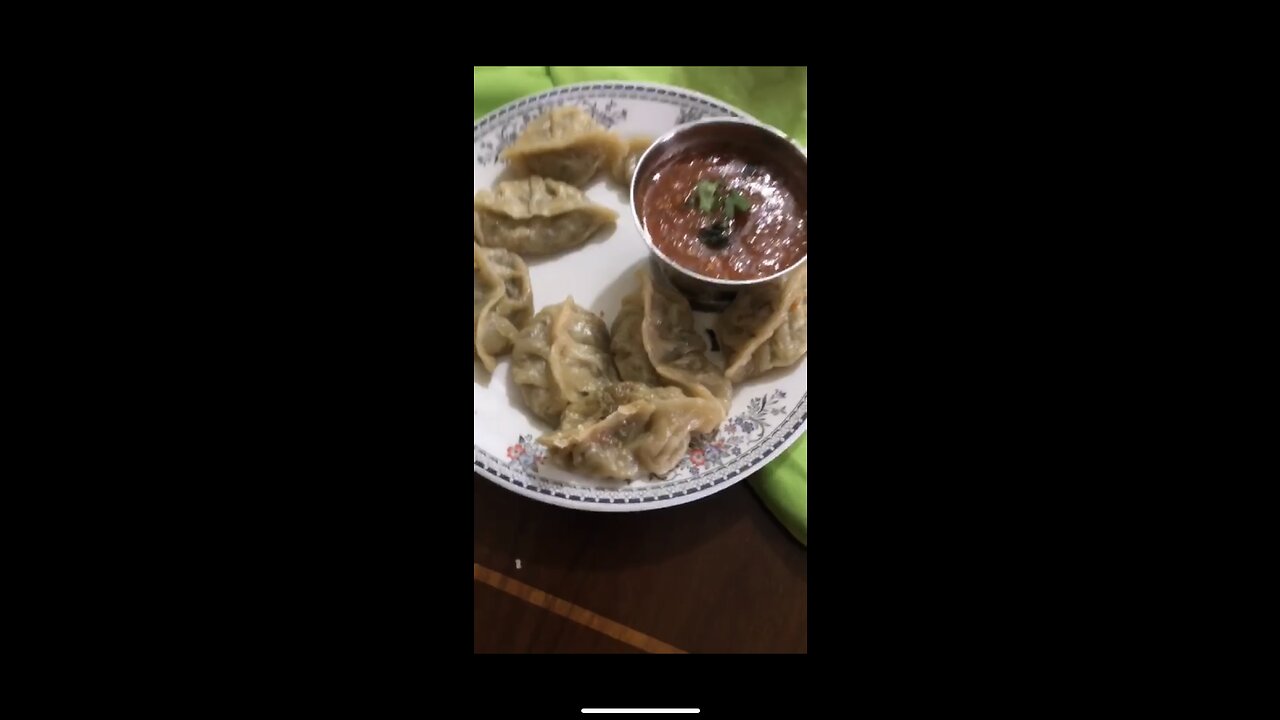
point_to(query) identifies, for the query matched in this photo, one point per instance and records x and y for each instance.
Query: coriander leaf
(707, 195)
(735, 203)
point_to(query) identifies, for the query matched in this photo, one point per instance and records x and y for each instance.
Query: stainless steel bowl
(705, 293)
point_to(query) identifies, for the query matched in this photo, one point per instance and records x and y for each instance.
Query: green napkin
(497, 86)
(778, 96)
(784, 486)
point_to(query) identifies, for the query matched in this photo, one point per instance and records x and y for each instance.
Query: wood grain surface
(718, 575)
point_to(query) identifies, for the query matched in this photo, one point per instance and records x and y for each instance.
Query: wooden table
(719, 575)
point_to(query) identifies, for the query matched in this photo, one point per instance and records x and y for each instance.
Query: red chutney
(769, 237)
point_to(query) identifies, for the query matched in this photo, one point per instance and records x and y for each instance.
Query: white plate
(768, 413)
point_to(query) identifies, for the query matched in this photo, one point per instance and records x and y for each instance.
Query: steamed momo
(536, 216)
(559, 357)
(564, 144)
(624, 167)
(502, 301)
(625, 429)
(655, 342)
(766, 327)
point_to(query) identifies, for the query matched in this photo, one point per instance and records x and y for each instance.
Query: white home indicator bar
(641, 710)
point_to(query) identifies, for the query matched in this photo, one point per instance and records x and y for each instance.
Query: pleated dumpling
(766, 327)
(536, 216)
(559, 357)
(502, 302)
(624, 430)
(565, 144)
(655, 342)
(624, 166)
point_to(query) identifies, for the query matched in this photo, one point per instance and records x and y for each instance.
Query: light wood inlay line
(566, 609)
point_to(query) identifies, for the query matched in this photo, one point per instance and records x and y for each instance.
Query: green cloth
(778, 96)
(497, 86)
(784, 486)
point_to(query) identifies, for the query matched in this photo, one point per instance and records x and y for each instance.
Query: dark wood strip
(577, 614)
(502, 623)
